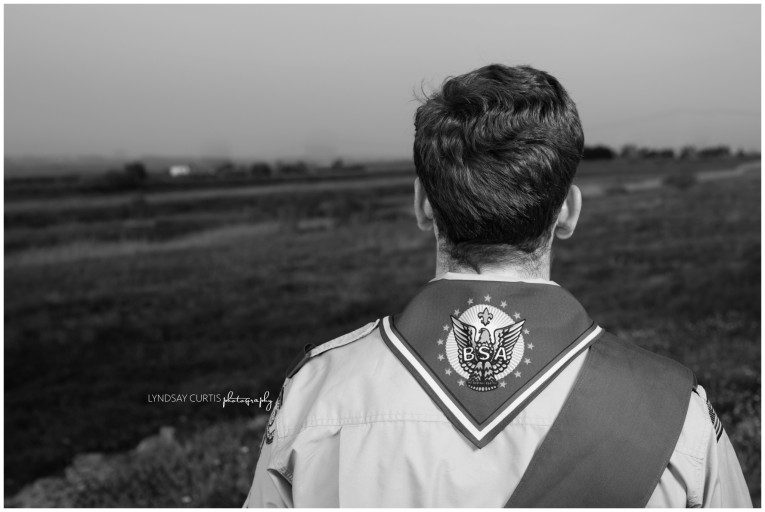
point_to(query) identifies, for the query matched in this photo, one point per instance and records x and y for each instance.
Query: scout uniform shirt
(469, 398)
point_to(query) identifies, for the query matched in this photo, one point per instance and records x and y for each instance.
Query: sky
(319, 82)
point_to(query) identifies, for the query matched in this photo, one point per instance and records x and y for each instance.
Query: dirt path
(180, 196)
(72, 203)
(599, 189)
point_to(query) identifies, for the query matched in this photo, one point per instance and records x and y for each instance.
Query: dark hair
(496, 151)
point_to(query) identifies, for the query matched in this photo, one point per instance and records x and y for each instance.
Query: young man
(494, 387)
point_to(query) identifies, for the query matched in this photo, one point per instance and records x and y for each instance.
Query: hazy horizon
(319, 82)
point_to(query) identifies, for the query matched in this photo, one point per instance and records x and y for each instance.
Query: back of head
(496, 151)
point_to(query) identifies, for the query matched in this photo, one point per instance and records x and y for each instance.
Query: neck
(537, 268)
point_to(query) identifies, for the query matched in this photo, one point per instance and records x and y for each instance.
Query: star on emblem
(517, 374)
(530, 345)
(446, 327)
(456, 312)
(527, 361)
(440, 357)
(503, 384)
(487, 298)
(516, 315)
(448, 371)
(461, 382)
(503, 304)
(470, 301)
(440, 342)
(525, 331)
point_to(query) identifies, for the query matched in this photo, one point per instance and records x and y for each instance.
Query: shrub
(213, 468)
(681, 181)
(598, 153)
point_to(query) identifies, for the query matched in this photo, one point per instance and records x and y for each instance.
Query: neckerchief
(484, 349)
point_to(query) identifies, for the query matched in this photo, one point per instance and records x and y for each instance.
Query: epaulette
(312, 350)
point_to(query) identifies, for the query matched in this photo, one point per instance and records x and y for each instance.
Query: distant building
(176, 171)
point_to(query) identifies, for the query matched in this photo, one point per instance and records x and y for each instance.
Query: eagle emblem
(485, 352)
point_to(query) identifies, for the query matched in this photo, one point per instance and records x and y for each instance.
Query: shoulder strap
(312, 350)
(614, 437)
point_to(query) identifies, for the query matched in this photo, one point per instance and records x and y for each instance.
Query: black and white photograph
(382, 255)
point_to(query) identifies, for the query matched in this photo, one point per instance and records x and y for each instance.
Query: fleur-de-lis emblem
(485, 316)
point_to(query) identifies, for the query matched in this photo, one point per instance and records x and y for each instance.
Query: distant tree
(665, 153)
(132, 176)
(598, 153)
(688, 152)
(629, 151)
(742, 153)
(338, 164)
(292, 168)
(224, 168)
(656, 153)
(715, 152)
(260, 170)
(136, 172)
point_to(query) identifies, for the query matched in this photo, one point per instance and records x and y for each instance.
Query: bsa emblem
(482, 346)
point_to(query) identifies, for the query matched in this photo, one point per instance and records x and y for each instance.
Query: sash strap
(614, 437)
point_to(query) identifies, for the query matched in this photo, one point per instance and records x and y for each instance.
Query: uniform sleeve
(724, 484)
(269, 488)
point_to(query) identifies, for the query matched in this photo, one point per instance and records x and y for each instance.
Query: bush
(681, 181)
(598, 153)
(135, 172)
(213, 468)
(132, 177)
(260, 170)
(616, 190)
(289, 169)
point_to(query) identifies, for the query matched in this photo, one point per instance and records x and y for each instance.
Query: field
(108, 302)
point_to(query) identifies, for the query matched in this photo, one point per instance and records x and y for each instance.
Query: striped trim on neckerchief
(483, 349)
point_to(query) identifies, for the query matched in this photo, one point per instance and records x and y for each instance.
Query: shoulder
(660, 387)
(311, 351)
(648, 375)
(307, 375)
(697, 427)
(670, 381)
(338, 358)
(685, 479)
(348, 379)
(634, 357)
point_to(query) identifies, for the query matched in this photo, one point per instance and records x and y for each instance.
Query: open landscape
(111, 298)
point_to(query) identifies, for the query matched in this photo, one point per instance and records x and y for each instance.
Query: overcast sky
(323, 81)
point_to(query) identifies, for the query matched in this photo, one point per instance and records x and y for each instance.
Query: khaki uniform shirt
(355, 429)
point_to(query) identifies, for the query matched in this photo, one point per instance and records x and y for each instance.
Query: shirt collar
(490, 277)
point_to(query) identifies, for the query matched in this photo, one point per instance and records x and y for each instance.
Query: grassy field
(104, 308)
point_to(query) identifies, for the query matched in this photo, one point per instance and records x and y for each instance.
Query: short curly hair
(496, 150)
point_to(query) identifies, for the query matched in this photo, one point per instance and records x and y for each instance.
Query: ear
(422, 209)
(569, 214)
